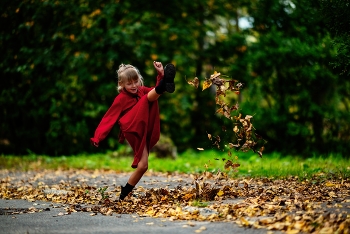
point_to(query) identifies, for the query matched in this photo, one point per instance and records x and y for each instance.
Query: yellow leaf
(216, 74)
(220, 193)
(220, 111)
(330, 184)
(188, 196)
(238, 117)
(244, 222)
(200, 149)
(150, 212)
(206, 84)
(178, 209)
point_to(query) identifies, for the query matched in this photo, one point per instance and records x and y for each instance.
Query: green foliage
(102, 192)
(58, 62)
(295, 95)
(337, 18)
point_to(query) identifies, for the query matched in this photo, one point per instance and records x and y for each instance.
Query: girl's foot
(125, 191)
(169, 75)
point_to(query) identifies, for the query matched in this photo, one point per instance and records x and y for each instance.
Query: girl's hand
(159, 67)
(93, 143)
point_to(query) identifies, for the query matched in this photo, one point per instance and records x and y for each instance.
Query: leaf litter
(290, 205)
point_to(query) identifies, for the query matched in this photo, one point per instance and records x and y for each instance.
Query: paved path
(51, 222)
(53, 219)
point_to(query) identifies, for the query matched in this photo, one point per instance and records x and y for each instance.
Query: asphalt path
(54, 221)
(53, 218)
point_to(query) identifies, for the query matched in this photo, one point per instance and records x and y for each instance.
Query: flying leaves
(245, 137)
(229, 164)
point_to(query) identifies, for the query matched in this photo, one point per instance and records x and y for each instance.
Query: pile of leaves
(245, 137)
(318, 205)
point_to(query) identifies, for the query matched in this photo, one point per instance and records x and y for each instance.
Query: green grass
(251, 165)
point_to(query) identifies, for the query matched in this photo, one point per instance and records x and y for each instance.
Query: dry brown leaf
(194, 82)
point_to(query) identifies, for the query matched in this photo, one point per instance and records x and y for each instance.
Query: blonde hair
(127, 73)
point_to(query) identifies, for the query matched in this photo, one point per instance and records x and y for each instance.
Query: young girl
(136, 111)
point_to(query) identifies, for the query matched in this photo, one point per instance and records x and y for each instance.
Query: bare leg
(152, 95)
(142, 167)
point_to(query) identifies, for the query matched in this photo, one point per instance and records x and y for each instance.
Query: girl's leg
(142, 167)
(152, 95)
(135, 177)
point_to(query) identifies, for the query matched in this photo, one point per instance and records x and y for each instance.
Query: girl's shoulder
(121, 97)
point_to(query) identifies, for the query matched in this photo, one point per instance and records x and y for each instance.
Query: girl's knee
(142, 167)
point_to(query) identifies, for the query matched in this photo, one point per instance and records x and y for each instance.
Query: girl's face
(132, 86)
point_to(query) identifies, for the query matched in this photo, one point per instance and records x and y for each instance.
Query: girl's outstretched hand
(93, 143)
(159, 67)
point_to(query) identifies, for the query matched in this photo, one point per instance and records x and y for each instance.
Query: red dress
(137, 118)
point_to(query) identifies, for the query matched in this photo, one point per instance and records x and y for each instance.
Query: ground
(261, 205)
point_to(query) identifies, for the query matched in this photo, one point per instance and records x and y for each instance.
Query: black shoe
(169, 75)
(123, 194)
(125, 191)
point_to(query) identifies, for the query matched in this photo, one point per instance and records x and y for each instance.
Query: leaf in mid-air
(194, 82)
(206, 84)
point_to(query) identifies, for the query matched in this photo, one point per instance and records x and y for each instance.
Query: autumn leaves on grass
(245, 137)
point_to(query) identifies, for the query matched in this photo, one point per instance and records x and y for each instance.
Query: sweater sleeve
(108, 121)
(159, 78)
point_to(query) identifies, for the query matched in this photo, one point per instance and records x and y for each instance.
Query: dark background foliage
(58, 62)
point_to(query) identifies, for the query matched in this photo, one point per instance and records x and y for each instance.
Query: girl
(136, 111)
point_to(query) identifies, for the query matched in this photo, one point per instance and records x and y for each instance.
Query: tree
(337, 19)
(58, 63)
(293, 89)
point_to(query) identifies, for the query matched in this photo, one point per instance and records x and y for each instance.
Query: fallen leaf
(329, 184)
(220, 193)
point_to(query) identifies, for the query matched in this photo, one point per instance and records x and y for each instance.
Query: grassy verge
(251, 165)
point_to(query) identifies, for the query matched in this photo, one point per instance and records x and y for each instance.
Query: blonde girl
(135, 109)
